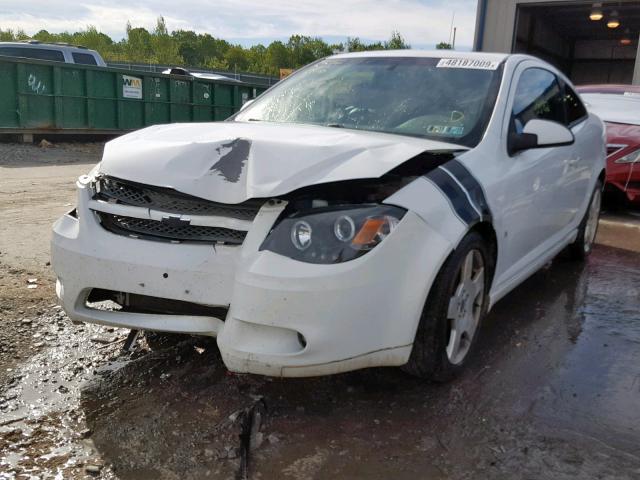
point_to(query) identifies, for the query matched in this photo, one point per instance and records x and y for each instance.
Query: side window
(84, 58)
(38, 53)
(538, 95)
(575, 108)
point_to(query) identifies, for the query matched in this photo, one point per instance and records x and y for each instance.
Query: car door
(578, 167)
(533, 216)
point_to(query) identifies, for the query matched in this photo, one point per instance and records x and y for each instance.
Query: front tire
(453, 312)
(582, 247)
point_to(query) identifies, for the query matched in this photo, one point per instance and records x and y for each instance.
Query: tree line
(188, 48)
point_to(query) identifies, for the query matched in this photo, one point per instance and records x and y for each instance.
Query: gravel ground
(552, 393)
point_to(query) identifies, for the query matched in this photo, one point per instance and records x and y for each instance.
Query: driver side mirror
(539, 134)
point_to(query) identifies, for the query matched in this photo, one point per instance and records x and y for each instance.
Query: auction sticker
(472, 63)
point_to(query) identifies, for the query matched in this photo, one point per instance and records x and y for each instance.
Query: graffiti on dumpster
(36, 85)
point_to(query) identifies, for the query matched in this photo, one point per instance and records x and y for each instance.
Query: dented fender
(449, 187)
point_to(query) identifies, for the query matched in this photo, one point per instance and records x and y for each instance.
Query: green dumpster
(38, 96)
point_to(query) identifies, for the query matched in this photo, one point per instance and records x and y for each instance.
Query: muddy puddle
(553, 391)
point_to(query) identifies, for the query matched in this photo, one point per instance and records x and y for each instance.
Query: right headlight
(632, 157)
(332, 234)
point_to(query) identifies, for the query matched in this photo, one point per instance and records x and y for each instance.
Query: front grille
(171, 201)
(169, 231)
(124, 192)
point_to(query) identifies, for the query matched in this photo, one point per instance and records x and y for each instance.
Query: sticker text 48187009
(472, 63)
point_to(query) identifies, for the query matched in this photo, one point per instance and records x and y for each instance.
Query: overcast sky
(422, 22)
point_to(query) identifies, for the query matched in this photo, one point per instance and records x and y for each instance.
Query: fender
(449, 187)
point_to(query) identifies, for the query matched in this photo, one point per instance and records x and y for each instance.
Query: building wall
(495, 32)
(500, 21)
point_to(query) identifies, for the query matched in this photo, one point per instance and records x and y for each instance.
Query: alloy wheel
(465, 306)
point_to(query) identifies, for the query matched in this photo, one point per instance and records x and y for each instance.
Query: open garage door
(579, 38)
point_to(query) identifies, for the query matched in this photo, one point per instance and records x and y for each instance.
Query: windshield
(424, 97)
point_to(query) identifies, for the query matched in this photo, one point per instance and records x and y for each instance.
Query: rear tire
(453, 312)
(583, 245)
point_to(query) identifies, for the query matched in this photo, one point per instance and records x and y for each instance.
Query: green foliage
(443, 46)
(356, 45)
(191, 49)
(396, 42)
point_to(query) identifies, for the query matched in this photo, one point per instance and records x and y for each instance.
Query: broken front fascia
(345, 217)
(272, 298)
(330, 196)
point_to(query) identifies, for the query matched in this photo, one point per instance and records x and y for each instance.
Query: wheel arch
(602, 176)
(486, 230)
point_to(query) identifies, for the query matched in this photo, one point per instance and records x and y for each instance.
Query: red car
(619, 107)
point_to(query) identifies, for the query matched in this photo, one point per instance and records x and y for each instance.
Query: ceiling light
(626, 40)
(596, 12)
(613, 21)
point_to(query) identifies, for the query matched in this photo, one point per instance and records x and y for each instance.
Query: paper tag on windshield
(471, 63)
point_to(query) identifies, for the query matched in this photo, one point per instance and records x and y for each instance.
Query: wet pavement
(552, 391)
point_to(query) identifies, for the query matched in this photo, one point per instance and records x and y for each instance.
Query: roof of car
(37, 44)
(609, 88)
(426, 53)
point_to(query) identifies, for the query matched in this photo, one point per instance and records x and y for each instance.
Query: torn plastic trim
(373, 191)
(368, 190)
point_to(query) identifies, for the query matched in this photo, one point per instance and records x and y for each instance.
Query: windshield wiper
(334, 125)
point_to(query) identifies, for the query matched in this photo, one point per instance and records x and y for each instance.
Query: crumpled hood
(231, 162)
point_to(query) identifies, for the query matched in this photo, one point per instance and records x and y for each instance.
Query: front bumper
(292, 319)
(286, 318)
(85, 256)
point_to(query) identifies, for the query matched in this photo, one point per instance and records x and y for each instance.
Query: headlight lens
(301, 235)
(632, 157)
(332, 234)
(344, 228)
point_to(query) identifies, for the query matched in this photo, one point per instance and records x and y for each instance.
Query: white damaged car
(366, 211)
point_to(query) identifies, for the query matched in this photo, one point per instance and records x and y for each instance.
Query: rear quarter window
(37, 53)
(576, 112)
(84, 58)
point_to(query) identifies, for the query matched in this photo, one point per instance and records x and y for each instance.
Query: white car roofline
(424, 54)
